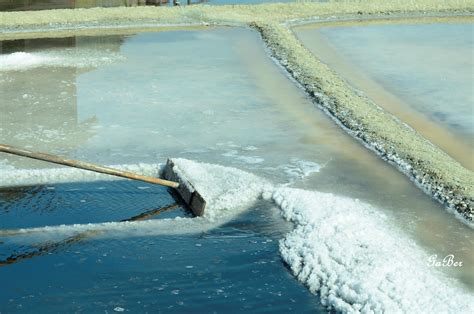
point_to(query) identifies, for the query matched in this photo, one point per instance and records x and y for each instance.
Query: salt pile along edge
(350, 254)
(342, 249)
(74, 58)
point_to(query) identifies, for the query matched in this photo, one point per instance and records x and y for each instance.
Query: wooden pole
(84, 165)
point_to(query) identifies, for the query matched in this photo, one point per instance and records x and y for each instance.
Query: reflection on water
(422, 73)
(142, 98)
(49, 118)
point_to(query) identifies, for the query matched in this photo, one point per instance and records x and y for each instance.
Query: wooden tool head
(191, 197)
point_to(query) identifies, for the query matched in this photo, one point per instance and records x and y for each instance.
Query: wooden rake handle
(84, 165)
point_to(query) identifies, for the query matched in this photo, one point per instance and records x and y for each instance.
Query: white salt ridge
(26, 177)
(347, 252)
(158, 227)
(77, 58)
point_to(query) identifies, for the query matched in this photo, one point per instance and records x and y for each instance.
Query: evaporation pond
(422, 73)
(208, 95)
(127, 100)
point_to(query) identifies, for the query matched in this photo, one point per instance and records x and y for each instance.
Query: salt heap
(76, 58)
(348, 253)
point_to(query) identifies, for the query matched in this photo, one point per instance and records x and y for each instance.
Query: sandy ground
(427, 165)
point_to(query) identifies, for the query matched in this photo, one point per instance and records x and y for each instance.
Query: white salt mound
(23, 60)
(223, 188)
(347, 252)
(77, 58)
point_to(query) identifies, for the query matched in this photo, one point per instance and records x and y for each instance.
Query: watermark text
(447, 261)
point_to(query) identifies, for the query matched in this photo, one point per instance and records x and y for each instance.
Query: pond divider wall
(429, 167)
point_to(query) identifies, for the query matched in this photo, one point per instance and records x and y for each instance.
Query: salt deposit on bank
(76, 58)
(344, 250)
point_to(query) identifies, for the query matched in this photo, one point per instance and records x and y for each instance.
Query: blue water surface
(231, 269)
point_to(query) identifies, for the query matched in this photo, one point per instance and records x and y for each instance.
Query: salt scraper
(172, 177)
